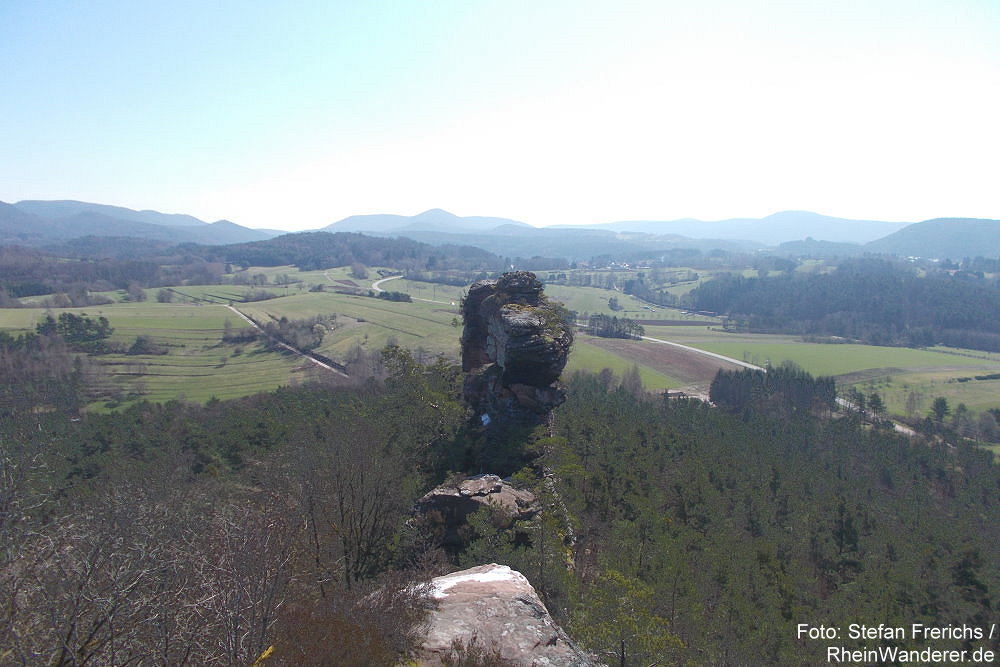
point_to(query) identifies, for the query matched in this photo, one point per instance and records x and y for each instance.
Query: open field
(893, 371)
(957, 385)
(198, 365)
(594, 300)
(16, 320)
(668, 367)
(592, 353)
(823, 359)
(446, 295)
(217, 293)
(372, 322)
(199, 374)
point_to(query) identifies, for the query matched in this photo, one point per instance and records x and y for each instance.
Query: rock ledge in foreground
(499, 608)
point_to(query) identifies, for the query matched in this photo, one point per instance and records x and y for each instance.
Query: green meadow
(841, 359)
(196, 365)
(916, 391)
(369, 321)
(895, 372)
(199, 365)
(594, 300)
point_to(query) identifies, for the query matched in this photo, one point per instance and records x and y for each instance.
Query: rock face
(450, 504)
(498, 609)
(514, 347)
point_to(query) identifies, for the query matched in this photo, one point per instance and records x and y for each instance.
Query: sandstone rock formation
(498, 609)
(514, 347)
(446, 507)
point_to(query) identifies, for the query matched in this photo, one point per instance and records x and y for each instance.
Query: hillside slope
(943, 238)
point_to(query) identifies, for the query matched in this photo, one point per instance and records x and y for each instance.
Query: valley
(291, 397)
(196, 364)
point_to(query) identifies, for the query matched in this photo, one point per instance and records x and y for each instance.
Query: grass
(199, 374)
(448, 295)
(823, 359)
(594, 300)
(198, 365)
(17, 320)
(895, 390)
(894, 372)
(214, 293)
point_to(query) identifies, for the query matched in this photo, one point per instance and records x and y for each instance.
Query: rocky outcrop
(514, 347)
(497, 609)
(444, 510)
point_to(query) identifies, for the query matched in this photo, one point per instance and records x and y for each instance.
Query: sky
(294, 114)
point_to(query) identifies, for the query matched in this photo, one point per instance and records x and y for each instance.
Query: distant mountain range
(44, 222)
(794, 233)
(797, 233)
(769, 231)
(434, 220)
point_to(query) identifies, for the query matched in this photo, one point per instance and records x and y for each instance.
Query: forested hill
(870, 300)
(319, 250)
(952, 238)
(208, 533)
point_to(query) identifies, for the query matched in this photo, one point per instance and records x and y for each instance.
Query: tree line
(28, 272)
(785, 388)
(670, 530)
(310, 251)
(871, 300)
(612, 326)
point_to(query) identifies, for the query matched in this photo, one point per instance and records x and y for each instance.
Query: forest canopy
(693, 533)
(871, 300)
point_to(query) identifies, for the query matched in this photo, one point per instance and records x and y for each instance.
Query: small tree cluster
(304, 334)
(615, 327)
(393, 296)
(785, 388)
(81, 332)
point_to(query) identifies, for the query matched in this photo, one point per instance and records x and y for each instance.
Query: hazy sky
(295, 114)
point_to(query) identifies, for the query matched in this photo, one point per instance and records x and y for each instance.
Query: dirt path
(377, 287)
(704, 352)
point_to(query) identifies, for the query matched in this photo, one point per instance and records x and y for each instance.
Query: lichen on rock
(514, 347)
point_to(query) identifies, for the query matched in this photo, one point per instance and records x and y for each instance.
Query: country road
(377, 287)
(704, 352)
(841, 402)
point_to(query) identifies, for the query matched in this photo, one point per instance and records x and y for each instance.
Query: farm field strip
(594, 300)
(586, 355)
(409, 318)
(434, 292)
(201, 376)
(822, 359)
(192, 335)
(192, 361)
(690, 369)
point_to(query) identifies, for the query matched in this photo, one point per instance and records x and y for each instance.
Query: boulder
(497, 609)
(444, 509)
